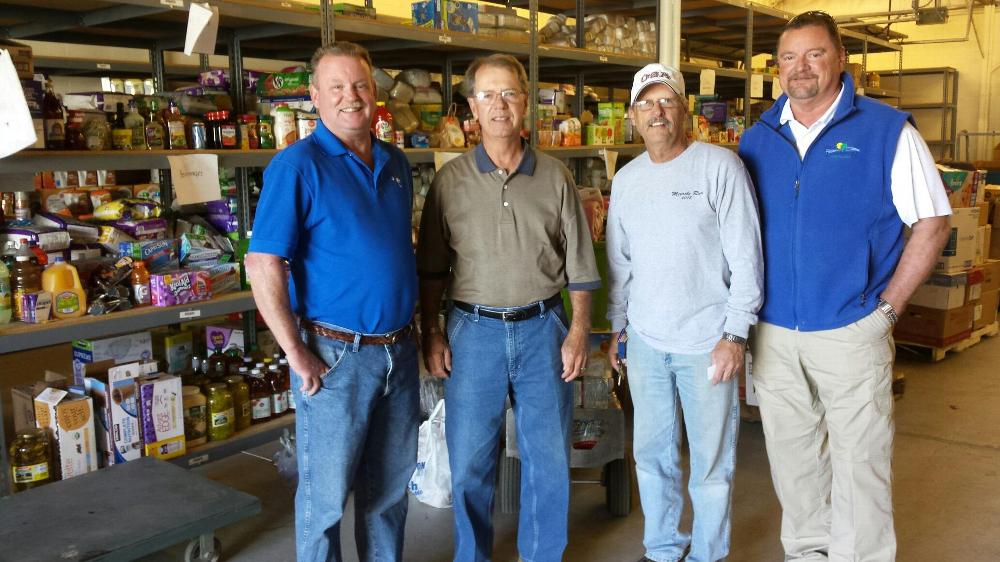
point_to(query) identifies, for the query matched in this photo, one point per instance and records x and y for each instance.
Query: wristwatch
(888, 310)
(734, 338)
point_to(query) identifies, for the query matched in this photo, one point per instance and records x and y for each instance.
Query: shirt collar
(334, 147)
(786, 112)
(486, 165)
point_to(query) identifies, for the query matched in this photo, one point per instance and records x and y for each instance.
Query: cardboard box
(960, 251)
(161, 404)
(984, 235)
(174, 349)
(117, 406)
(426, 13)
(993, 252)
(991, 275)
(986, 312)
(70, 417)
(960, 184)
(223, 338)
(21, 55)
(461, 16)
(22, 407)
(120, 349)
(974, 285)
(941, 291)
(934, 327)
(984, 212)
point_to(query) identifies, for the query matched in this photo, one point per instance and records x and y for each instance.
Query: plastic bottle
(156, 136)
(137, 125)
(260, 397)
(175, 128)
(140, 284)
(68, 297)
(265, 130)
(121, 134)
(279, 394)
(382, 126)
(5, 310)
(285, 130)
(25, 277)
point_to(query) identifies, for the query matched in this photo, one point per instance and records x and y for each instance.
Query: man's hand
(437, 354)
(574, 353)
(309, 368)
(728, 360)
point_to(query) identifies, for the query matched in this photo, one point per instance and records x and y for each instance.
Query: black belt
(512, 315)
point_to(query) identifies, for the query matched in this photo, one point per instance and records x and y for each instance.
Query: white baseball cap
(656, 73)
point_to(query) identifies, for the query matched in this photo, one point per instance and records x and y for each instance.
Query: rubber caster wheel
(509, 489)
(617, 476)
(193, 551)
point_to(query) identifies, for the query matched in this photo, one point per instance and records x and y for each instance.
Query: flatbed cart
(121, 513)
(606, 430)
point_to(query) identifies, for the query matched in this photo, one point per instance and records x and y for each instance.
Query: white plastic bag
(431, 481)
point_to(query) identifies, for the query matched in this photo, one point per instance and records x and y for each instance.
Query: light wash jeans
(491, 358)
(664, 387)
(358, 431)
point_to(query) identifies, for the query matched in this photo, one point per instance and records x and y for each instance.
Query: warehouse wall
(979, 73)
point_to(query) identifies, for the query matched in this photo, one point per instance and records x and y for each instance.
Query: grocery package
(284, 84)
(70, 421)
(179, 287)
(161, 408)
(116, 403)
(603, 32)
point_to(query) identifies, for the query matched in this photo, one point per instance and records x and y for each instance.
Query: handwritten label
(17, 131)
(707, 83)
(756, 85)
(188, 314)
(195, 177)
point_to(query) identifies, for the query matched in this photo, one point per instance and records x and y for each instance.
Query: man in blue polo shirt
(336, 208)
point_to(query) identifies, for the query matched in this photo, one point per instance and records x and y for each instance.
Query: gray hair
(342, 49)
(498, 60)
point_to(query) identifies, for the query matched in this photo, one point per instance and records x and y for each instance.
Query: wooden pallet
(938, 353)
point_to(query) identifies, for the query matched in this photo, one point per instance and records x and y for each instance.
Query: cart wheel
(509, 488)
(618, 478)
(193, 551)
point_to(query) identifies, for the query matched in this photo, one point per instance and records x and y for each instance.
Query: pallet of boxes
(957, 306)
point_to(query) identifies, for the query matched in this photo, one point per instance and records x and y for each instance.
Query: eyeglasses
(489, 96)
(646, 105)
(812, 15)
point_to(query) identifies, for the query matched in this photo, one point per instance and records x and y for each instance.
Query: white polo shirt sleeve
(917, 189)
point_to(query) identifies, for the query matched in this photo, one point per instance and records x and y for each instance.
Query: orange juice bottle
(63, 282)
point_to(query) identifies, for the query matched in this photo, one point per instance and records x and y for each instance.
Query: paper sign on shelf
(756, 85)
(195, 178)
(16, 128)
(202, 29)
(610, 162)
(707, 87)
(442, 158)
(775, 88)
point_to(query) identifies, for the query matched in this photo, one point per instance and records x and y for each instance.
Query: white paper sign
(610, 163)
(707, 82)
(16, 128)
(775, 88)
(442, 158)
(756, 85)
(203, 27)
(195, 178)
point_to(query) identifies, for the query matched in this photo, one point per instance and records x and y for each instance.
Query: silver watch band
(734, 338)
(888, 310)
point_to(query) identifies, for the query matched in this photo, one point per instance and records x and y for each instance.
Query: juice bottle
(68, 298)
(121, 135)
(55, 122)
(265, 130)
(156, 136)
(25, 277)
(279, 394)
(176, 134)
(285, 130)
(4, 294)
(228, 131)
(137, 125)
(260, 397)
(140, 284)
(382, 126)
(287, 374)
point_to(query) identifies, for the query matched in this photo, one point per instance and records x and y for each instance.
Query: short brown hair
(498, 60)
(343, 49)
(816, 18)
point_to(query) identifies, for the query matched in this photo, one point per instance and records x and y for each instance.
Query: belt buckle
(394, 337)
(509, 315)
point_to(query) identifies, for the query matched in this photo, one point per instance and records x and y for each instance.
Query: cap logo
(655, 74)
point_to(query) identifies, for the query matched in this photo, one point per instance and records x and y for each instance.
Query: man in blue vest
(838, 176)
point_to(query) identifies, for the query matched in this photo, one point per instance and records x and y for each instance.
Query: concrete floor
(947, 486)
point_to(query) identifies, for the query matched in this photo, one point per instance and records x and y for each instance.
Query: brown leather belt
(387, 339)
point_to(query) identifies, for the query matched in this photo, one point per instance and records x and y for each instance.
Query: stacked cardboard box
(961, 295)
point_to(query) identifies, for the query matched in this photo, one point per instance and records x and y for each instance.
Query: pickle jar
(240, 390)
(195, 416)
(221, 415)
(31, 459)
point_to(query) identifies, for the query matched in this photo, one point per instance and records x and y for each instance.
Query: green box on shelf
(599, 297)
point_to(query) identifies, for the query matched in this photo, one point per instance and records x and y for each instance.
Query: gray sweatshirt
(684, 253)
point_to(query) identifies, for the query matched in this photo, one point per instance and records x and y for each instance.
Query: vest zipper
(796, 188)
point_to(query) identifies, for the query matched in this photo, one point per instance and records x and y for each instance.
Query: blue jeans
(665, 386)
(491, 358)
(358, 431)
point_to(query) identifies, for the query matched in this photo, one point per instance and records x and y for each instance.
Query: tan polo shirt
(506, 239)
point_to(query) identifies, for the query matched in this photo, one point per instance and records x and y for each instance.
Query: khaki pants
(826, 406)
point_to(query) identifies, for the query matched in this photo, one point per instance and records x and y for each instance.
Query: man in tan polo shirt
(503, 231)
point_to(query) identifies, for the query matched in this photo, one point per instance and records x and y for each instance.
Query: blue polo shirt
(345, 231)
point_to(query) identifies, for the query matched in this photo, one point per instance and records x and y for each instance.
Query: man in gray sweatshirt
(686, 277)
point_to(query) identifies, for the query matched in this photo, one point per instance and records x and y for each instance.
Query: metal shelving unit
(945, 145)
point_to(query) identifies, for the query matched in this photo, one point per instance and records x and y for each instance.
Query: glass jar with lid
(195, 416)
(241, 400)
(31, 459)
(221, 415)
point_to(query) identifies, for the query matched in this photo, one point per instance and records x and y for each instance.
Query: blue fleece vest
(831, 234)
